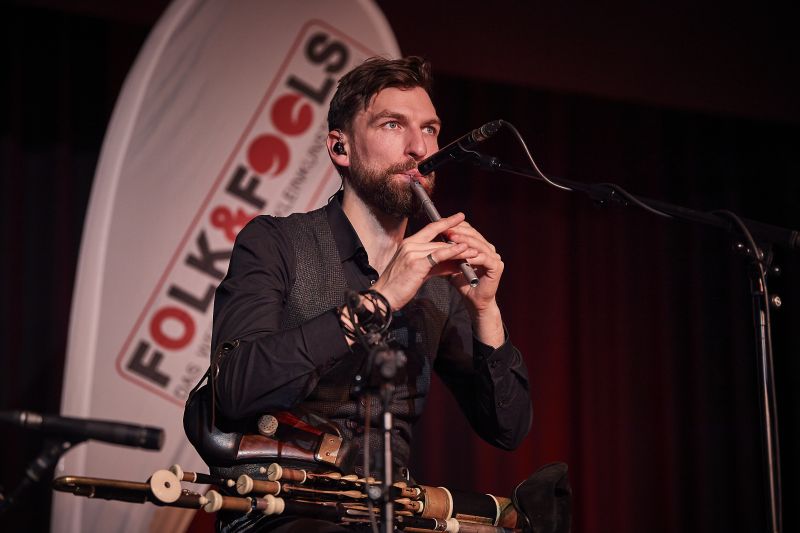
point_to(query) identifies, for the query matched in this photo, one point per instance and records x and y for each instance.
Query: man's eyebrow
(435, 121)
(387, 113)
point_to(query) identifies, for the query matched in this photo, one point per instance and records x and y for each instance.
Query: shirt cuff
(324, 339)
(485, 354)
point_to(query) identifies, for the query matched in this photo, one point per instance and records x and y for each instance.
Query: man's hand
(410, 266)
(488, 266)
(481, 302)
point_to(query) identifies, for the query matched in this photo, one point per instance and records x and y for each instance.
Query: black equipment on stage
(540, 504)
(66, 433)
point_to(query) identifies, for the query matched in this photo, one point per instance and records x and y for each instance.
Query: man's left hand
(481, 302)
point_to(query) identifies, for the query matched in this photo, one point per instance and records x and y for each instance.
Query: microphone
(80, 429)
(354, 301)
(458, 148)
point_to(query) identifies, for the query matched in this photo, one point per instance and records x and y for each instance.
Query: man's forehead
(407, 101)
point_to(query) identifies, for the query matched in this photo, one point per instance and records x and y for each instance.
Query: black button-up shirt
(275, 369)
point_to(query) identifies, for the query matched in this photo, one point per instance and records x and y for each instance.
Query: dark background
(637, 331)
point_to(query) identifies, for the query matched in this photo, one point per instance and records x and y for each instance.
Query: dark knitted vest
(320, 286)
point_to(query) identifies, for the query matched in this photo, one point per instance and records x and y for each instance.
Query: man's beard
(382, 191)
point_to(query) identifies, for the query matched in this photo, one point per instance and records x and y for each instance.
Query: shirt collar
(346, 238)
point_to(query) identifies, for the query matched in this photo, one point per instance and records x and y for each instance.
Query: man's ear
(337, 148)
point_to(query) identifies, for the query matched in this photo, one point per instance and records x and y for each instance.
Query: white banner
(222, 117)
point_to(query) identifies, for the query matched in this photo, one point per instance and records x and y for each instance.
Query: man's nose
(415, 145)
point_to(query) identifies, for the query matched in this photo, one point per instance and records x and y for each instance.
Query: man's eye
(430, 130)
(392, 125)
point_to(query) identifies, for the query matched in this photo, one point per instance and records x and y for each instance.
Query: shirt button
(493, 364)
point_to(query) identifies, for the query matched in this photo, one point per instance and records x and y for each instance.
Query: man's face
(398, 129)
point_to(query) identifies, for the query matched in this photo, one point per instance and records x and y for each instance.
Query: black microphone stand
(66, 433)
(378, 376)
(37, 470)
(387, 362)
(761, 259)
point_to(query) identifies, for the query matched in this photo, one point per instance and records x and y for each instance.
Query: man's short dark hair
(357, 87)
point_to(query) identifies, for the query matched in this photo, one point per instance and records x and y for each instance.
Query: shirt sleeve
(490, 385)
(270, 369)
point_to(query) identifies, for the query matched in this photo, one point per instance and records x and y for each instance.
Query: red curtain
(636, 330)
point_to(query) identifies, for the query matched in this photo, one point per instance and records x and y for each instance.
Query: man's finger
(475, 241)
(446, 253)
(466, 229)
(429, 232)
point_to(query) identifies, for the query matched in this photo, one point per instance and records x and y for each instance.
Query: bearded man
(281, 303)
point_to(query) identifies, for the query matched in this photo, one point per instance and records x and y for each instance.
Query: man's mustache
(399, 168)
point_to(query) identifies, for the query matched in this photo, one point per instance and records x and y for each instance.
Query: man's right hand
(410, 266)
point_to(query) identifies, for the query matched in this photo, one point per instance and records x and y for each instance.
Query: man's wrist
(488, 311)
(487, 325)
(387, 294)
